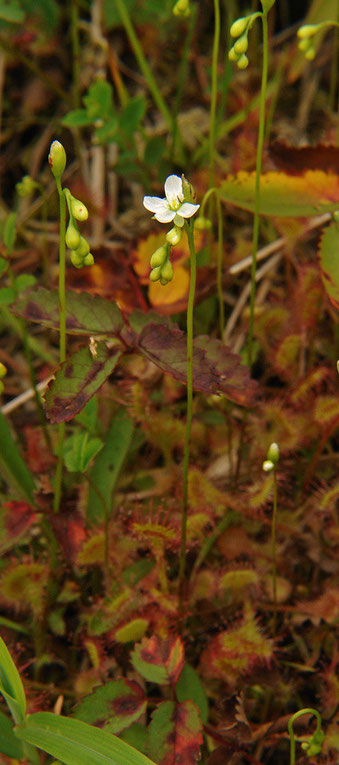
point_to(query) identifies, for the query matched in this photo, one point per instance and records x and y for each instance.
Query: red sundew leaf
(215, 368)
(297, 160)
(85, 314)
(15, 519)
(329, 262)
(77, 380)
(113, 706)
(236, 651)
(159, 661)
(70, 533)
(282, 195)
(175, 734)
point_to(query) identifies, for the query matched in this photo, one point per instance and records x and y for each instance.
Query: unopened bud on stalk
(83, 247)
(242, 62)
(155, 274)
(57, 159)
(3, 370)
(174, 236)
(159, 256)
(72, 237)
(167, 271)
(182, 8)
(308, 30)
(202, 224)
(78, 209)
(241, 45)
(89, 259)
(26, 186)
(238, 27)
(273, 453)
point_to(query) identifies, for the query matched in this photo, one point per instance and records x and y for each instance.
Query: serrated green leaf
(99, 101)
(80, 449)
(282, 195)
(132, 115)
(190, 688)
(108, 465)
(77, 118)
(175, 733)
(113, 706)
(74, 742)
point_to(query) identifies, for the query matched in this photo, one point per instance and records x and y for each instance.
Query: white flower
(173, 207)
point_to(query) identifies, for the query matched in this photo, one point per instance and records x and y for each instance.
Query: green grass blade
(12, 466)
(74, 742)
(10, 684)
(108, 465)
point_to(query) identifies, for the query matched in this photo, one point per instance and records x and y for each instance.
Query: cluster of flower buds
(182, 8)
(240, 29)
(26, 186)
(78, 245)
(306, 43)
(162, 269)
(272, 458)
(3, 373)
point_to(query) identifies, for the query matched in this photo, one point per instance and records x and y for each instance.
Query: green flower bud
(76, 259)
(57, 159)
(159, 256)
(174, 236)
(26, 186)
(83, 247)
(273, 453)
(308, 30)
(89, 259)
(163, 281)
(72, 237)
(232, 56)
(202, 224)
(336, 216)
(155, 274)
(241, 45)
(267, 466)
(243, 62)
(78, 209)
(167, 271)
(3, 370)
(239, 26)
(310, 54)
(182, 8)
(187, 190)
(2, 387)
(304, 45)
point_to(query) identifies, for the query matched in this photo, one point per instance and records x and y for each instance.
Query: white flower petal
(165, 215)
(153, 204)
(187, 210)
(173, 190)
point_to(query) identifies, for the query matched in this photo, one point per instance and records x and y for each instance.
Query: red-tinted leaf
(329, 262)
(215, 368)
(15, 519)
(77, 381)
(175, 734)
(85, 314)
(113, 706)
(235, 651)
(297, 160)
(69, 531)
(159, 661)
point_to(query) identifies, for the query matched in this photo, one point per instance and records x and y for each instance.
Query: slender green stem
(182, 76)
(190, 306)
(260, 145)
(143, 64)
(219, 270)
(308, 711)
(75, 52)
(214, 91)
(62, 337)
(274, 559)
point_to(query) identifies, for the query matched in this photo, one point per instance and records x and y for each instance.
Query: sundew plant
(169, 358)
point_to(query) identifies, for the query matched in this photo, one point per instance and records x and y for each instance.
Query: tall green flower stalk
(313, 745)
(240, 29)
(270, 465)
(177, 206)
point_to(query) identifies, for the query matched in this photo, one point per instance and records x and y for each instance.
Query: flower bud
(182, 8)
(239, 26)
(155, 274)
(57, 159)
(267, 466)
(241, 45)
(336, 216)
(76, 259)
(3, 370)
(310, 54)
(174, 236)
(26, 186)
(83, 247)
(273, 453)
(202, 224)
(159, 256)
(72, 237)
(167, 271)
(187, 190)
(78, 209)
(304, 44)
(308, 30)
(89, 259)
(242, 62)
(232, 56)
(163, 281)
